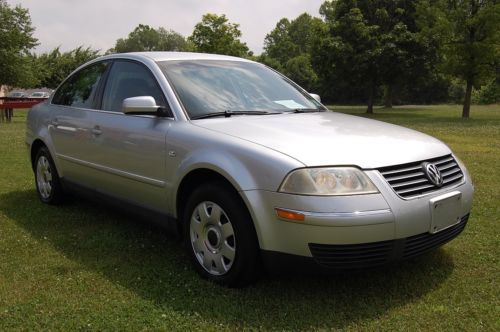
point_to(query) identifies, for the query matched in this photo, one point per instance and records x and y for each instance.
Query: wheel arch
(195, 178)
(35, 146)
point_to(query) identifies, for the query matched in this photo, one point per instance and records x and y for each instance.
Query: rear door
(70, 126)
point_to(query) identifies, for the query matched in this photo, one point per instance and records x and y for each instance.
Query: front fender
(226, 165)
(246, 165)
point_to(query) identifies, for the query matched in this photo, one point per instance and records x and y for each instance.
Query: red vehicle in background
(19, 99)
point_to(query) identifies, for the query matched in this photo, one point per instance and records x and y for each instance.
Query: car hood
(329, 138)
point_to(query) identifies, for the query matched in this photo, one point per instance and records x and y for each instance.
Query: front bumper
(384, 252)
(357, 256)
(345, 257)
(357, 221)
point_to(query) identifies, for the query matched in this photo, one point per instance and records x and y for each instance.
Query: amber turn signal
(289, 215)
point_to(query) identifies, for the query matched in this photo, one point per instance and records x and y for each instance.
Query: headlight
(328, 182)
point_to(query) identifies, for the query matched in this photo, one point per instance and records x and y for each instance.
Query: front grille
(409, 180)
(351, 256)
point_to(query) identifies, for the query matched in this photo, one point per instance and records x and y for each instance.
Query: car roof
(162, 56)
(166, 56)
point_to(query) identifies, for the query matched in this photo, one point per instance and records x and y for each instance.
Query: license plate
(445, 211)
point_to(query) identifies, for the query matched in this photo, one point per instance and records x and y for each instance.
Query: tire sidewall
(245, 265)
(55, 194)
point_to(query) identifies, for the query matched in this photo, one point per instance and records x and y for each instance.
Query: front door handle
(96, 131)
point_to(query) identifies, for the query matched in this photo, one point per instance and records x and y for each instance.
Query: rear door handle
(96, 131)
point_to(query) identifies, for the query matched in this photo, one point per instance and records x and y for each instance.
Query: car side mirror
(140, 105)
(316, 97)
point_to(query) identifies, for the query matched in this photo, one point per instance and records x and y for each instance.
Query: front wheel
(220, 237)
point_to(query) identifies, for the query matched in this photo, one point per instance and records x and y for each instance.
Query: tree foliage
(351, 52)
(469, 35)
(146, 38)
(215, 34)
(369, 44)
(278, 45)
(53, 67)
(300, 70)
(293, 38)
(16, 40)
(288, 48)
(488, 93)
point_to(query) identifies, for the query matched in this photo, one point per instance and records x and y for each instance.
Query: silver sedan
(245, 165)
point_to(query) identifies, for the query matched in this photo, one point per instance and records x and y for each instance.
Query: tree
(351, 51)
(369, 44)
(278, 44)
(469, 35)
(214, 34)
(146, 38)
(290, 43)
(406, 58)
(16, 40)
(300, 70)
(270, 62)
(53, 67)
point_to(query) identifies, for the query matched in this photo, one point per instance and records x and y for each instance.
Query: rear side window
(129, 79)
(80, 89)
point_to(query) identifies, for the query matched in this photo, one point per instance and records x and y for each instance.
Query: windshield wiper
(228, 113)
(307, 110)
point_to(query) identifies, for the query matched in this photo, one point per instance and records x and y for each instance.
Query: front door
(129, 150)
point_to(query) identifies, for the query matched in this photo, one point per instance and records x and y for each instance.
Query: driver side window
(129, 79)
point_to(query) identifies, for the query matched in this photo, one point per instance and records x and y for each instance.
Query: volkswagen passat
(245, 164)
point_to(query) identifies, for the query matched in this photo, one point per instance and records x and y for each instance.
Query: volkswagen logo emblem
(433, 174)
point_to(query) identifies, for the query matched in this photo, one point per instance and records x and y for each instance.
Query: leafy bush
(488, 93)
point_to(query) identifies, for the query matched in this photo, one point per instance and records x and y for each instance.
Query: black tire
(237, 271)
(47, 181)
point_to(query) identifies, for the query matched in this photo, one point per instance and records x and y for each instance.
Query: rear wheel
(220, 237)
(48, 185)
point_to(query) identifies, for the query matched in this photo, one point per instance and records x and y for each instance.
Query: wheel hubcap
(212, 238)
(44, 177)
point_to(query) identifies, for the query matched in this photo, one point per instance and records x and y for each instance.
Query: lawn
(83, 266)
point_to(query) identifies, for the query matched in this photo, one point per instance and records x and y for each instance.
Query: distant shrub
(488, 93)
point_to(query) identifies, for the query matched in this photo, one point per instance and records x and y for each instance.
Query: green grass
(85, 267)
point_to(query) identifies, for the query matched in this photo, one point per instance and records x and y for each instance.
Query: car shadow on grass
(152, 264)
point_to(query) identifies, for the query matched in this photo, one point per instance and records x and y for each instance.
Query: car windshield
(214, 86)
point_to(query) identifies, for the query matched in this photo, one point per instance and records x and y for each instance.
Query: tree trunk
(369, 109)
(468, 95)
(388, 96)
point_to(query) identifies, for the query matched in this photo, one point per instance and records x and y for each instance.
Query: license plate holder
(445, 211)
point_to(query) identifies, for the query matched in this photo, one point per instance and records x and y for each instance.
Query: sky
(99, 23)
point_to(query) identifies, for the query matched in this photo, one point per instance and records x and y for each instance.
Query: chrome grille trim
(409, 180)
